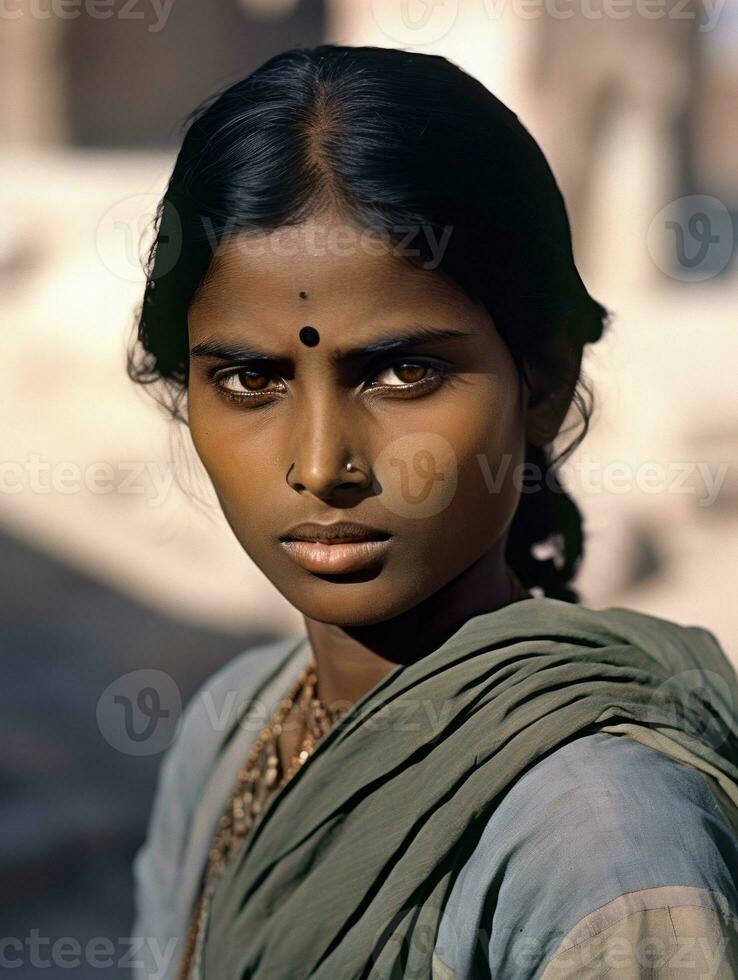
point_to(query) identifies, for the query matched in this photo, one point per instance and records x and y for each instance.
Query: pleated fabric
(347, 872)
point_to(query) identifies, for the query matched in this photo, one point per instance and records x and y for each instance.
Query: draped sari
(346, 874)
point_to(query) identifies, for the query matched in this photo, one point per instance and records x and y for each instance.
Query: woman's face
(435, 429)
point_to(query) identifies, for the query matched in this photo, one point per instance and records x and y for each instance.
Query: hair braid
(546, 515)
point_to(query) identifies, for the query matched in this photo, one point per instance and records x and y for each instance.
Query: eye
(412, 374)
(242, 383)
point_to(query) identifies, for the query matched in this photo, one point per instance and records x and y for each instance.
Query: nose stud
(348, 467)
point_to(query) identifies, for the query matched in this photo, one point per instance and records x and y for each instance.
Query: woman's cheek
(418, 474)
(201, 424)
(491, 451)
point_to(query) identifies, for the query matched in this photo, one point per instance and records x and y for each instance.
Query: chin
(348, 604)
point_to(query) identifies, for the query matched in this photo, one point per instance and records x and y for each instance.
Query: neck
(351, 660)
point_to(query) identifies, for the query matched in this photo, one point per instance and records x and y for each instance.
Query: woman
(373, 325)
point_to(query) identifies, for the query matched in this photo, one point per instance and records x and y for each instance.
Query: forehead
(340, 270)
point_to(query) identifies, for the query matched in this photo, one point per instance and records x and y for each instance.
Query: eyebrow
(413, 337)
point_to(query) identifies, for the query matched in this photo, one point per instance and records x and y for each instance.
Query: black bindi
(309, 336)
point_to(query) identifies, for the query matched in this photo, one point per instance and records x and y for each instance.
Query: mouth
(335, 549)
(337, 558)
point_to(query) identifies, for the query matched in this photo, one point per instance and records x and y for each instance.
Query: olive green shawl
(346, 874)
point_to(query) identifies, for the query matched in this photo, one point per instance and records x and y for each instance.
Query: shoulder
(599, 831)
(207, 717)
(215, 706)
(184, 771)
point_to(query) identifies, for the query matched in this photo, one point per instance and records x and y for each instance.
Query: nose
(326, 438)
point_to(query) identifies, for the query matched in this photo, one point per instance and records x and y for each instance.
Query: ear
(552, 385)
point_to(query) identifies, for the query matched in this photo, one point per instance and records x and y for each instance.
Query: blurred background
(115, 564)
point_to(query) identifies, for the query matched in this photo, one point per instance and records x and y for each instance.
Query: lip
(335, 558)
(339, 532)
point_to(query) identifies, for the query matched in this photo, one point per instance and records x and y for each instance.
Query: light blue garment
(601, 817)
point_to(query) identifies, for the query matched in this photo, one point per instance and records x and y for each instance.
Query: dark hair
(392, 139)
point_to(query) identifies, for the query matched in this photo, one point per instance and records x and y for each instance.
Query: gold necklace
(259, 780)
